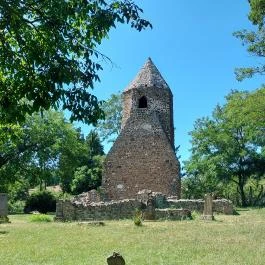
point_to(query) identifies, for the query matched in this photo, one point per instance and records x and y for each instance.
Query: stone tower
(143, 155)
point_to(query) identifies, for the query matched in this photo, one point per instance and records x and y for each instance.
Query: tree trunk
(41, 188)
(242, 195)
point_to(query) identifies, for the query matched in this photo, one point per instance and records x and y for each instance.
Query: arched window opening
(142, 102)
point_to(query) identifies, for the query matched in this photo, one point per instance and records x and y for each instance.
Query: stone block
(3, 205)
(208, 208)
(173, 214)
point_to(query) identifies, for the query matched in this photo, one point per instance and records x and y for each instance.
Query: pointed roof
(148, 76)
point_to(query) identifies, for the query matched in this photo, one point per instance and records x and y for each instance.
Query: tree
(48, 55)
(56, 153)
(77, 152)
(88, 177)
(73, 154)
(255, 39)
(110, 127)
(229, 146)
(89, 174)
(33, 152)
(94, 145)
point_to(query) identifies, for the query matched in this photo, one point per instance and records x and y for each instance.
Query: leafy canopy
(229, 146)
(48, 55)
(110, 127)
(48, 150)
(254, 40)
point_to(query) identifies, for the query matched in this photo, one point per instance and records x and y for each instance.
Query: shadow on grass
(217, 220)
(3, 232)
(238, 210)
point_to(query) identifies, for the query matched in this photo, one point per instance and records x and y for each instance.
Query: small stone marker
(208, 208)
(115, 259)
(3, 204)
(3, 208)
(150, 213)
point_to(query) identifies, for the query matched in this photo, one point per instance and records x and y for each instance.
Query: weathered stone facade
(3, 204)
(222, 206)
(143, 155)
(3, 208)
(114, 210)
(153, 205)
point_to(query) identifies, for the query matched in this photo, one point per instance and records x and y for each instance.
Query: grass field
(229, 240)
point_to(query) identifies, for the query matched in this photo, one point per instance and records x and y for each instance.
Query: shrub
(40, 218)
(88, 177)
(63, 196)
(4, 219)
(137, 219)
(41, 201)
(16, 207)
(18, 191)
(194, 215)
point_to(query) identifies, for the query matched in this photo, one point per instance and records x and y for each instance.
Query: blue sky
(192, 45)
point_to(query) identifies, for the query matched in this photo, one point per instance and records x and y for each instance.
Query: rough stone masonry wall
(159, 100)
(125, 209)
(114, 210)
(141, 158)
(219, 206)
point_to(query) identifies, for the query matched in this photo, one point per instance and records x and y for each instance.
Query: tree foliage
(47, 151)
(33, 153)
(89, 174)
(48, 55)
(88, 177)
(229, 146)
(254, 40)
(110, 127)
(94, 145)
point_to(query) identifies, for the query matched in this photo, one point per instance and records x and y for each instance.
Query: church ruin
(141, 170)
(143, 155)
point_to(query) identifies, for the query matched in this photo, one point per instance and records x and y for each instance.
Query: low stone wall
(154, 206)
(172, 214)
(219, 206)
(87, 198)
(113, 210)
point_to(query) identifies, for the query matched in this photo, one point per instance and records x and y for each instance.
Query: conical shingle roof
(148, 76)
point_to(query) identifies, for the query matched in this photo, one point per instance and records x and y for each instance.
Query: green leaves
(228, 147)
(47, 150)
(254, 40)
(257, 12)
(48, 55)
(110, 127)
(88, 177)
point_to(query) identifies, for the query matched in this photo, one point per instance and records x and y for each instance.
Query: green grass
(230, 240)
(40, 218)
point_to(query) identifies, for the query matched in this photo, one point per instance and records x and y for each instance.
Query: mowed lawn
(229, 240)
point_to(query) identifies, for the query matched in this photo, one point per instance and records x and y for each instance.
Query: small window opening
(142, 102)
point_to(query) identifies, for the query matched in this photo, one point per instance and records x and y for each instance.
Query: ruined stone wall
(172, 214)
(114, 210)
(219, 206)
(141, 158)
(125, 209)
(87, 198)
